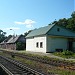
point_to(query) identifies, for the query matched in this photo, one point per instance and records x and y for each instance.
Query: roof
(2, 42)
(6, 40)
(40, 31)
(48, 30)
(13, 39)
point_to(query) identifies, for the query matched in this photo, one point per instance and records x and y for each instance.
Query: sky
(19, 16)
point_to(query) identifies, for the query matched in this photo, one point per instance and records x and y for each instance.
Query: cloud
(28, 22)
(19, 22)
(13, 28)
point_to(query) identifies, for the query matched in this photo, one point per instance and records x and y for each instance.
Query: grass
(61, 72)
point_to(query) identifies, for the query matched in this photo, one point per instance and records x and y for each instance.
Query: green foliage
(73, 15)
(67, 52)
(26, 33)
(61, 72)
(20, 46)
(46, 57)
(2, 35)
(67, 23)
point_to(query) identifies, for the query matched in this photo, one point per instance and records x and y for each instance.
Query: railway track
(60, 63)
(16, 67)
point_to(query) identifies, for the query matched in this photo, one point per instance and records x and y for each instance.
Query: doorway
(70, 44)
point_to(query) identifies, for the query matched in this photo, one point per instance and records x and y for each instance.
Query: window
(58, 29)
(41, 44)
(37, 44)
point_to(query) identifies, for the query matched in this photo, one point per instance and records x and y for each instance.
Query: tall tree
(67, 23)
(71, 22)
(2, 35)
(73, 15)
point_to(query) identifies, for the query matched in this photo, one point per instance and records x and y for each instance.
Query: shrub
(20, 46)
(67, 52)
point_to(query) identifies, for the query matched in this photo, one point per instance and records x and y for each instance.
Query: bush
(20, 46)
(67, 52)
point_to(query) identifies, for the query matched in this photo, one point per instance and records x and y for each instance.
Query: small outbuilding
(15, 43)
(3, 44)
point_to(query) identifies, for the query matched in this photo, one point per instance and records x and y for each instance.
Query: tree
(71, 22)
(2, 36)
(26, 33)
(62, 22)
(73, 15)
(67, 23)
